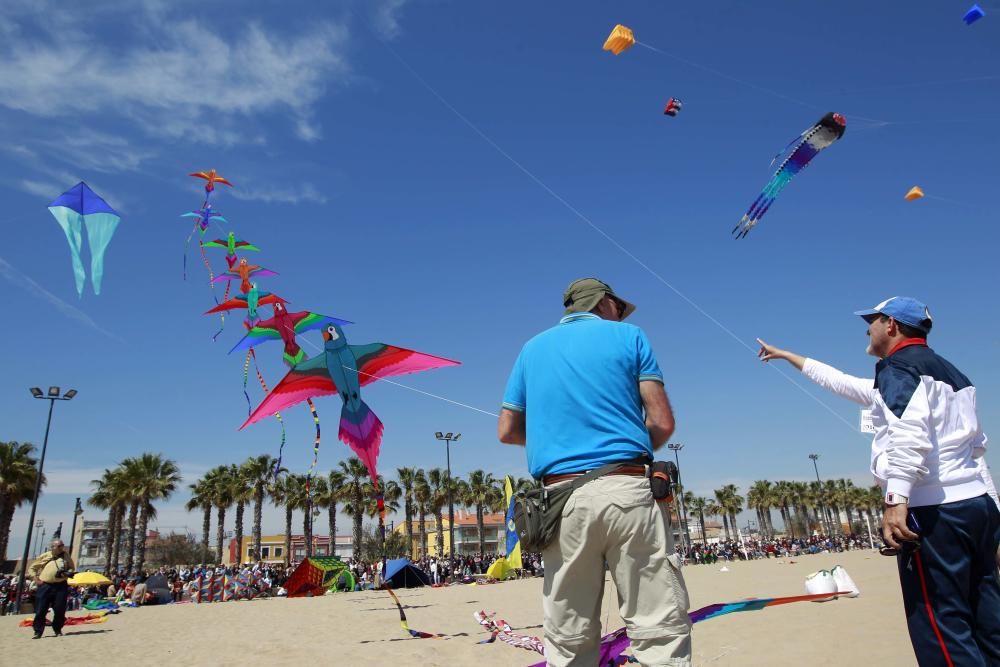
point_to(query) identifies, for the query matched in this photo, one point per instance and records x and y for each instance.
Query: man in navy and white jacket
(926, 456)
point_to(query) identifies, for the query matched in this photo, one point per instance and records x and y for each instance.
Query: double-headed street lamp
(52, 396)
(676, 447)
(448, 439)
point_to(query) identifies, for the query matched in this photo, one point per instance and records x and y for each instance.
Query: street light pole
(826, 521)
(677, 447)
(448, 439)
(52, 396)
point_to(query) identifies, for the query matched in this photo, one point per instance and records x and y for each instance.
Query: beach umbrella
(89, 579)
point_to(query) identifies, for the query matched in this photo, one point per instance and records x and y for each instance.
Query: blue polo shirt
(578, 385)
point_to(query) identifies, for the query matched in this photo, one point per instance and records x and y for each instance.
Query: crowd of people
(778, 547)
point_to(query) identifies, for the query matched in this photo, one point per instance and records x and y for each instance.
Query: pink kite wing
(302, 382)
(377, 360)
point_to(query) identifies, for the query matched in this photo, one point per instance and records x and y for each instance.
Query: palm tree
(481, 493)
(316, 498)
(152, 478)
(782, 494)
(391, 493)
(759, 497)
(831, 491)
(355, 473)
(201, 498)
(297, 497)
(422, 500)
(106, 497)
(242, 492)
(699, 506)
(131, 471)
(282, 492)
(220, 479)
(715, 509)
(17, 484)
(334, 491)
(730, 503)
(407, 477)
(257, 473)
(437, 480)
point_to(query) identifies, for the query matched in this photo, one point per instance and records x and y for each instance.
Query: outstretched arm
(858, 390)
(768, 352)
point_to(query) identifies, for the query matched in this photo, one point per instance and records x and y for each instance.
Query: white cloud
(303, 192)
(189, 82)
(385, 15)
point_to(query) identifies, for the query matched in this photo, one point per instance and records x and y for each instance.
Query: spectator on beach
(583, 395)
(50, 572)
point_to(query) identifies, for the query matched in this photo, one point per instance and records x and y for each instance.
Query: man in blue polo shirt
(586, 393)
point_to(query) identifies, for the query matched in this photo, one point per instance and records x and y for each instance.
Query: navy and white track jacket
(927, 432)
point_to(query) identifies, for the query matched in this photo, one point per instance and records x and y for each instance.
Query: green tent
(317, 575)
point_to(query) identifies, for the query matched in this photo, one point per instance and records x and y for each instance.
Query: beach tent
(314, 575)
(401, 573)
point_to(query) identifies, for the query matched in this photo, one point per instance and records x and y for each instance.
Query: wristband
(892, 499)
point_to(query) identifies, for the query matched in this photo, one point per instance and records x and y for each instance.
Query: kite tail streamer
(277, 415)
(222, 314)
(406, 626)
(315, 415)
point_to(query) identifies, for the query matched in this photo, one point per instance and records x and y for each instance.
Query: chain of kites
(340, 368)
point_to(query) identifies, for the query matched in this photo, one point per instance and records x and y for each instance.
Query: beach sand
(363, 628)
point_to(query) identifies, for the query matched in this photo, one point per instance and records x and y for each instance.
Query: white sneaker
(844, 582)
(821, 582)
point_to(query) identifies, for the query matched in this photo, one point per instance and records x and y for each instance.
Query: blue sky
(358, 136)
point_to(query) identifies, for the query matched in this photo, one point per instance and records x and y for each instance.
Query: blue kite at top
(974, 14)
(800, 151)
(75, 208)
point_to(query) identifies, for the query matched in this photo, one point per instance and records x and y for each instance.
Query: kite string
(277, 415)
(690, 63)
(597, 229)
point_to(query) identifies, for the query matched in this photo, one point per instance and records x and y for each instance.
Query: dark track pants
(951, 591)
(50, 595)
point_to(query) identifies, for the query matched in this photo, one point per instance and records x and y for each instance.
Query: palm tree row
(348, 488)
(130, 490)
(802, 506)
(18, 469)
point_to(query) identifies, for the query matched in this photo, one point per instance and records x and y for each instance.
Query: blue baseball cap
(902, 309)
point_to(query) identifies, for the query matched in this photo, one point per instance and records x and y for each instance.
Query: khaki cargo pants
(615, 519)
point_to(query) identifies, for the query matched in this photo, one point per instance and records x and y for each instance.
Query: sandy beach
(357, 628)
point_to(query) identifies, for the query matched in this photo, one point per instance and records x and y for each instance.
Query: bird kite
(203, 218)
(75, 208)
(914, 193)
(673, 107)
(231, 244)
(800, 151)
(621, 38)
(251, 301)
(344, 369)
(211, 178)
(284, 326)
(243, 272)
(617, 642)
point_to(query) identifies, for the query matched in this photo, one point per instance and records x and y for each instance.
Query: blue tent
(401, 573)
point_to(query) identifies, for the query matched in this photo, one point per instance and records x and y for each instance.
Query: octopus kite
(799, 153)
